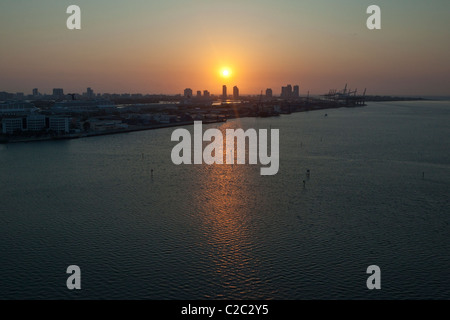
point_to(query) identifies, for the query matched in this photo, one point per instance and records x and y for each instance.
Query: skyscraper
(296, 93)
(289, 91)
(89, 93)
(235, 92)
(199, 94)
(188, 93)
(269, 93)
(35, 92)
(206, 93)
(224, 92)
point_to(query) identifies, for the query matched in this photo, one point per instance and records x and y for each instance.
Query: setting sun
(226, 73)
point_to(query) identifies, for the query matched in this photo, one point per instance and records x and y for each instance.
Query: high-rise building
(89, 93)
(224, 92)
(58, 92)
(199, 94)
(288, 93)
(35, 92)
(188, 93)
(235, 92)
(296, 93)
(206, 93)
(269, 93)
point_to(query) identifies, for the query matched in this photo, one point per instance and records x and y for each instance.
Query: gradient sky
(165, 46)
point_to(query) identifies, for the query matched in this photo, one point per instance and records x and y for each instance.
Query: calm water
(225, 232)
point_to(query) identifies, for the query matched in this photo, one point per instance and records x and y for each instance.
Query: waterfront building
(106, 125)
(12, 125)
(58, 124)
(235, 92)
(35, 122)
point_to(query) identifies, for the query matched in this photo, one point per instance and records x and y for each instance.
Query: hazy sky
(165, 46)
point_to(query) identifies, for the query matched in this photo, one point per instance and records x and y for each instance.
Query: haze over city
(166, 46)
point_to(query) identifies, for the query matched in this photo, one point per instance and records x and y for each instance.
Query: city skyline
(187, 93)
(160, 48)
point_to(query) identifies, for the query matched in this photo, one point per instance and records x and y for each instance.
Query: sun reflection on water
(227, 213)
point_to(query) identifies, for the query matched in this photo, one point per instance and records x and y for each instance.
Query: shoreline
(101, 133)
(71, 136)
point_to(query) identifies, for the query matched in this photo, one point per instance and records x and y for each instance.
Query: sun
(226, 73)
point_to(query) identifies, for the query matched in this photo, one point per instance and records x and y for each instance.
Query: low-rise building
(59, 124)
(16, 108)
(12, 125)
(36, 122)
(106, 124)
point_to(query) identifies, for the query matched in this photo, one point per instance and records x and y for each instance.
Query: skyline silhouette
(166, 46)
